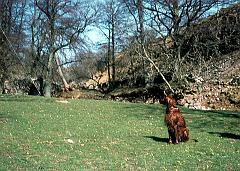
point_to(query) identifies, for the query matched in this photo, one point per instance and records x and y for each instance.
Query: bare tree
(136, 9)
(172, 20)
(113, 26)
(11, 38)
(65, 21)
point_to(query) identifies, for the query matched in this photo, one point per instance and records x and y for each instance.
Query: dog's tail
(186, 138)
(185, 135)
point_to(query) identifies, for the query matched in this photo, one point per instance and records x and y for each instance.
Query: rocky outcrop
(212, 95)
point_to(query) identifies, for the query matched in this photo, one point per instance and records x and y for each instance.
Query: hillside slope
(214, 83)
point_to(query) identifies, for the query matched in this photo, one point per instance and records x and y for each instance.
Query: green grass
(42, 134)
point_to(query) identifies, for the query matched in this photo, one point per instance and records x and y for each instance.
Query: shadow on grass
(165, 140)
(210, 113)
(146, 111)
(23, 98)
(206, 121)
(157, 139)
(226, 135)
(224, 113)
(4, 118)
(159, 111)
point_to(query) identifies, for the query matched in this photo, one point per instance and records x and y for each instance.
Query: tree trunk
(132, 71)
(48, 81)
(2, 85)
(141, 21)
(66, 85)
(177, 66)
(109, 54)
(113, 51)
(141, 34)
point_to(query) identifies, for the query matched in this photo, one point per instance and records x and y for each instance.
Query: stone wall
(212, 95)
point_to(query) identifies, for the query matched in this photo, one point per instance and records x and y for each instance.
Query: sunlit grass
(43, 134)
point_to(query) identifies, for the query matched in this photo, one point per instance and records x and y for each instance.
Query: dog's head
(169, 101)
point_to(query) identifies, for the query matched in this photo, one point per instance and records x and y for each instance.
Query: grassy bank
(45, 134)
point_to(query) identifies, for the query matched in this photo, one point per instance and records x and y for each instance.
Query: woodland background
(190, 48)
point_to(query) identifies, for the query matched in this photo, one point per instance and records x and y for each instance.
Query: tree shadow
(157, 139)
(223, 113)
(211, 119)
(146, 111)
(226, 135)
(23, 98)
(214, 113)
(4, 118)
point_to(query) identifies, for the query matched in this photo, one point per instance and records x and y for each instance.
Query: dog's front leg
(170, 136)
(176, 134)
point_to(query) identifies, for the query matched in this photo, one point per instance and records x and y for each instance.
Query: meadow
(47, 134)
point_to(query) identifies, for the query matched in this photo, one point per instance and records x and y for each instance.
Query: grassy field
(43, 134)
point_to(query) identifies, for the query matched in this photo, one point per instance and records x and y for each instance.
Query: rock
(214, 95)
(234, 100)
(235, 81)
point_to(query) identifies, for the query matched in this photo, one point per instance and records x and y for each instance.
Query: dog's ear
(163, 98)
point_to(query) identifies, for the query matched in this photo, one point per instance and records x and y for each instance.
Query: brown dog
(177, 128)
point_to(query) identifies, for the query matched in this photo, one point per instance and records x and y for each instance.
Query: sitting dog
(177, 128)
